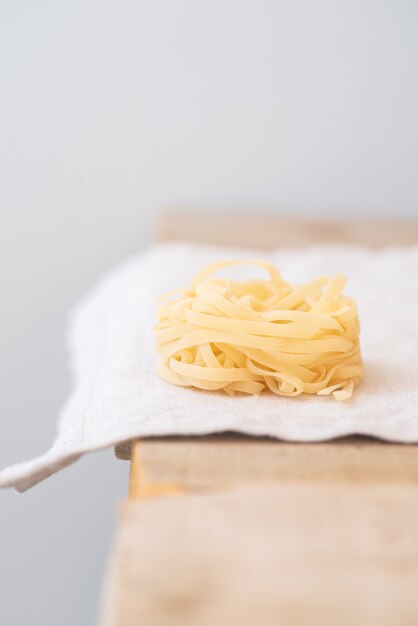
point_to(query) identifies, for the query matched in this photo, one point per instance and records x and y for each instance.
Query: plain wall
(112, 111)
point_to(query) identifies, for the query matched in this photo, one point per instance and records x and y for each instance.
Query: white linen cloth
(118, 396)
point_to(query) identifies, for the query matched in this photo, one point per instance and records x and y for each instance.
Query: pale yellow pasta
(260, 334)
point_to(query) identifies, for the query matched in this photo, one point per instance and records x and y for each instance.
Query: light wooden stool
(229, 530)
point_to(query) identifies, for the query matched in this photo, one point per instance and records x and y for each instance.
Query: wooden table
(236, 531)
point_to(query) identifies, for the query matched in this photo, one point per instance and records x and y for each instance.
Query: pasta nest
(260, 334)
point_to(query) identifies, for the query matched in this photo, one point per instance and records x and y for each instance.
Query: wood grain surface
(235, 531)
(222, 461)
(271, 232)
(271, 555)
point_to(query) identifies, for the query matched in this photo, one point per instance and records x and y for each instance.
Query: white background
(113, 111)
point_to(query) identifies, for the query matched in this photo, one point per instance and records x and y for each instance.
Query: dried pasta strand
(256, 335)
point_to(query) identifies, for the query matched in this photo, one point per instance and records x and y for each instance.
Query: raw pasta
(260, 334)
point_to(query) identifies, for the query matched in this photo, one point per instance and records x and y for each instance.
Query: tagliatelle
(255, 335)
